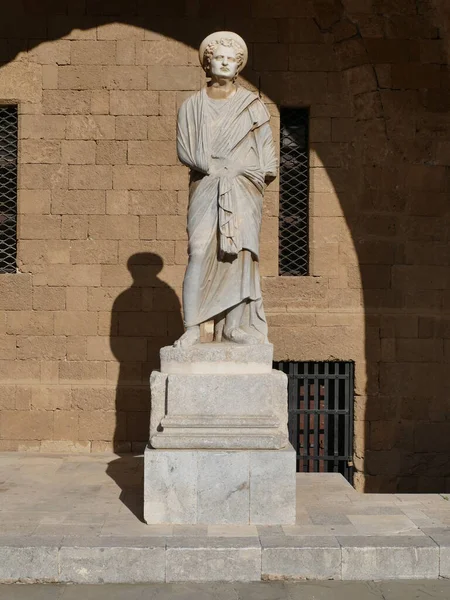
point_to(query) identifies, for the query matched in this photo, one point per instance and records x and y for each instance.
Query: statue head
(223, 54)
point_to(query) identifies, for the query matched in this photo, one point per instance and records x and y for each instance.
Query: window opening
(8, 188)
(294, 192)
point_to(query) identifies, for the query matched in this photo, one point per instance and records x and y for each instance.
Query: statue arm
(183, 145)
(269, 158)
(190, 152)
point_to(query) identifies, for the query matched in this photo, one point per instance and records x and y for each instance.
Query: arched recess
(377, 84)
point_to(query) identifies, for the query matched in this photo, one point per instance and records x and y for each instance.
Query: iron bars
(294, 192)
(8, 188)
(320, 405)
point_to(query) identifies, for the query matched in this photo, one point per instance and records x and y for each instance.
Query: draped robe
(228, 146)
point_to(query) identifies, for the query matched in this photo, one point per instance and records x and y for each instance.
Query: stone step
(201, 559)
(78, 518)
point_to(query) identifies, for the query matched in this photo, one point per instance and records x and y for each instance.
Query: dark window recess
(294, 192)
(8, 188)
(320, 405)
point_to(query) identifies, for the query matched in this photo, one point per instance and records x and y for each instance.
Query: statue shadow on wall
(145, 317)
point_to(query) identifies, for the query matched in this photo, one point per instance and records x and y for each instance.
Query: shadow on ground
(128, 472)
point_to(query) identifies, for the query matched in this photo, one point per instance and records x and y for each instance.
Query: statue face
(224, 63)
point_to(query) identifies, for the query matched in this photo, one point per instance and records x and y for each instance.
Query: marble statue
(219, 449)
(224, 138)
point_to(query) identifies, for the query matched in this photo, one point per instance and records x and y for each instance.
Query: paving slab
(383, 524)
(422, 590)
(79, 518)
(32, 592)
(334, 590)
(308, 590)
(107, 592)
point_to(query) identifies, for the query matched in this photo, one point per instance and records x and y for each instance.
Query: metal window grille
(294, 192)
(320, 406)
(8, 188)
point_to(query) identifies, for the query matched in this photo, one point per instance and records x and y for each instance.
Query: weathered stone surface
(301, 558)
(21, 81)
(213, 560)
(223, 481)
(226, 395)
(229, 434)
(441, 535)
(444, 563)
(111, 564)
(278, 506)
(219, 487)
(158, 383)
(217, 359)
(33, 562)
(400, 557)
(226, 410)
(170, 487)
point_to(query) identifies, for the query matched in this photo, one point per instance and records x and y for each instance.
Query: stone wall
(102, 202)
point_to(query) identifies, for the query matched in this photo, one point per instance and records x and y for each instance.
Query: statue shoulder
(191, 101)
(248, 93)
(259, 111)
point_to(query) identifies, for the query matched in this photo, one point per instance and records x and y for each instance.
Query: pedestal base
(242, 412)
(240, 487)
(230, 409)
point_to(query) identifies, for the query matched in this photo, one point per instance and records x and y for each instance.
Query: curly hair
(228, 43)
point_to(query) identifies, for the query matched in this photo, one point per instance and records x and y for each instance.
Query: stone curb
(214, 559)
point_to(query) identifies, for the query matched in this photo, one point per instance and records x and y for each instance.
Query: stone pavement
(78, 518)
(317, 590)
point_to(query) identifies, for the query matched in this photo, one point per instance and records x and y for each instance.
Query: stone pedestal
(237, 487)
(219, 441)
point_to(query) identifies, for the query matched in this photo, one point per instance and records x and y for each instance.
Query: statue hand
(226, 171)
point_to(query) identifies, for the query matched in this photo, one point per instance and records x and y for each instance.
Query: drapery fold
(229, 149)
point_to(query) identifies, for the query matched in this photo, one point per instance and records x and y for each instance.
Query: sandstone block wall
(103, 200)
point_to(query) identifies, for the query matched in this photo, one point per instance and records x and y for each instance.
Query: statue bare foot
(251, 330)
(238, 336)
(190, 337)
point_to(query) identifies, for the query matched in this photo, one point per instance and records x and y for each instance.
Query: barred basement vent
(8, 188)
(320, 409)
